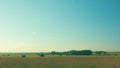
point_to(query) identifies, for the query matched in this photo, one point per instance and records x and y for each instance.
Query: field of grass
(60, 62)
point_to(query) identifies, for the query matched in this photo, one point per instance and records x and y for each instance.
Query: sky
(59, 25)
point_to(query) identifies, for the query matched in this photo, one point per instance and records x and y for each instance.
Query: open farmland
(60, 62)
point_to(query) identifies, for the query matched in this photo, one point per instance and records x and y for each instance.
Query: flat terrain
(60, 62)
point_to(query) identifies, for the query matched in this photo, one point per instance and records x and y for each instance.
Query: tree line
(73, 52)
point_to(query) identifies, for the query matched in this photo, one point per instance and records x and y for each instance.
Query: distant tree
(74, 52)
(98, 53)
(86, 52)
(104, 53)
(42, 55)
(53, 53)
(82, 52)
(60, 53)
(23, 55)
(101, 53)
(67, 54)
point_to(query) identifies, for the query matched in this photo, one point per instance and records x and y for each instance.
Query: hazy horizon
(59, 25)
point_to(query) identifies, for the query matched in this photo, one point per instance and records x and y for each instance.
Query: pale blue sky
(60, 25)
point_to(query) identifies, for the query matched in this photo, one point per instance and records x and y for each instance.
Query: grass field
(60, 62)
